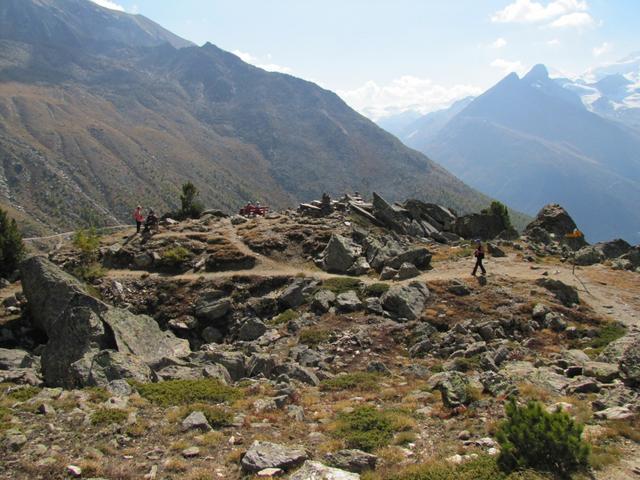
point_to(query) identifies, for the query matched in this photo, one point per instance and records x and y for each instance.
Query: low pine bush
(365, 381)
(183, 392)
(533, 438)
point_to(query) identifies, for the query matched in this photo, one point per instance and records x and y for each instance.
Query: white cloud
(268, 66)
(109, 4)
(602, 49)
(405, 93)
(572, 20)
(553, 42)
(499, 43)
(563, 13)
(508, 66)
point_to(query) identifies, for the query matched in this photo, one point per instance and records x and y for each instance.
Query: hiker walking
(479, 254)
(138, 217)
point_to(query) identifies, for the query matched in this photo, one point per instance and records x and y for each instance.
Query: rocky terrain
(354, 345)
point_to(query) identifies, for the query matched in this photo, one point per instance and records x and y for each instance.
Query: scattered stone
(352, 460)
(191, 452)
(458, 288)
(270, 473)
(406, 301)
(348, 302)
(615, 413)
(454, 387)
(263, 455)
(317, 471)
(407, 270)
(196, 421)
(74, 471)
(566, 294)
(251, 329)
(495, 251)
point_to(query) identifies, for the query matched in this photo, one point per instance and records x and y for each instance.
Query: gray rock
(614, 351)
(539, 311)
(323, 301)
(263, 455)
(317, 471)
(454, 387)
(615, 413)
(556, 222)
(391, 216)
(630, 363)
(495, 251)
(589, 255)
(212, 335)
(583, 385)
(119, 388)
(261, 364)
(251, 329)
(359, 267)
(143, 261)
(613, 248)
(348, 302)
(388, 273)
(11, 359)
(293, 296)
(217, 372)
(302, 374)
(14, 439)
(233, 362)
(196, 421)
(352, 460)
(373, 305)
(89, 342)
(340, 254)
(602, 372)
(458, 288)
(406, 301)
(407, 270)
(213, 311)
(566, 294)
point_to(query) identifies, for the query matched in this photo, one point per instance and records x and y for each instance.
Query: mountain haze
(100, 111)
(529, 142)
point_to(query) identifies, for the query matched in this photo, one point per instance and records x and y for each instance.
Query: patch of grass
(376, 289)
(108, 416)
(404, 438)
(365, 428)
(482, 468)
(340, 285)
(365, 381)
(625, 428)
(610, 332)
(209, 439)
(464, 364)
(90, 272)
(98, 394)
(284, 317)
(183, 392)
(314, 336)
(24, 393)
(603, 456)
(175, 257)
(5, 415)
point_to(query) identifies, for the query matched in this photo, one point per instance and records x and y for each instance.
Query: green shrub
(284, 317)
(314, 336)
(174, 257)
(531, 437)
(24, 393)
(182, 392)
(376, 289)
(90, 272)
(365, 428)
(108, 416)
(98, 394)
(610, 332)
(366, 381)
(11, 246)
(5, 415)
(340, 285)
(499, 209)
(87, 241)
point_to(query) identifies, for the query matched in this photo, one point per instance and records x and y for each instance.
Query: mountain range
(534, 140)
(101, 110)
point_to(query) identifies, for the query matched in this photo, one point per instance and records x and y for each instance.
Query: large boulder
(566, 294)
(406, 301)
(263, 455)
(485, 226)
(454, 387)
(391, 216)
(630, 363)
(317, 471)
(613, 248)
(352, 460)
(80, 328)
(555, 220)
(589, 255)
(340, 254)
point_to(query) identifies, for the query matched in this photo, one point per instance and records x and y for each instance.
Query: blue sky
(386, 56)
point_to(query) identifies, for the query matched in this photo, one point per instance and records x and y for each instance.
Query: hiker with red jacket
(479, 254)
(138, 217)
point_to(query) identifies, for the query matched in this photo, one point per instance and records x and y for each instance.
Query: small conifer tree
(11, 246)
(533, 438)
(190, 206)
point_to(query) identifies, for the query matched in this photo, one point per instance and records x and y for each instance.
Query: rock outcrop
(90, 342)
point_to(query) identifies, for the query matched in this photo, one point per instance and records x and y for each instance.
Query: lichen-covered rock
(406, 301)
(630, 363)
(352, 460)
(340, 254)
(566, 294)
(317, 471)
(263, 455)
(454, 387)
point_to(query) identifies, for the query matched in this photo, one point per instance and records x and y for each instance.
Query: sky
(388, 56)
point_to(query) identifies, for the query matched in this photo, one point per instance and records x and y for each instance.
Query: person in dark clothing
(151, 223)
(479, 254)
